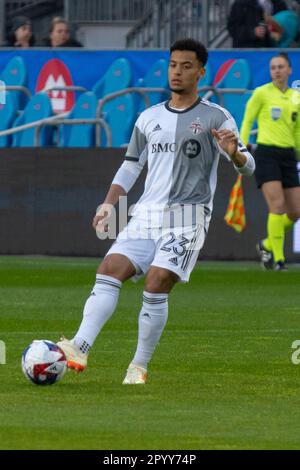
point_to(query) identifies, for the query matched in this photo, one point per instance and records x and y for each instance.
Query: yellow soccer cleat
(76, 360)
(135, 375)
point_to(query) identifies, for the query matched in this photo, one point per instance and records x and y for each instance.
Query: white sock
(98, 308)
(152, 320)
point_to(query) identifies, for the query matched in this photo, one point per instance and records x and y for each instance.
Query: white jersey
(181, 153)
(172, 216)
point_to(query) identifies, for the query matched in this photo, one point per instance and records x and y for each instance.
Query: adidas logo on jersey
(157, 128)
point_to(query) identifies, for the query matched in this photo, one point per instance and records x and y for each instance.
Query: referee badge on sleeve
(275, 113)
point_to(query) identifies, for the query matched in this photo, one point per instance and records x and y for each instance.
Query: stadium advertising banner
(49, 68)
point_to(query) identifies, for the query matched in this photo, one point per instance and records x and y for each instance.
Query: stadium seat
(234, 73)
(8, 112)
(156, 77)
(120, 115)
(39, 107)
(15, 74)
(80, 135)
(117, 77)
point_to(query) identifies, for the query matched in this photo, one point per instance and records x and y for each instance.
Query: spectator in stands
(59, 35)
(21, 34)
(246, 22)
(283, 27)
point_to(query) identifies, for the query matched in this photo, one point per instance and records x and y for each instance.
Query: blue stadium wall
(86, 66)
(48, 199)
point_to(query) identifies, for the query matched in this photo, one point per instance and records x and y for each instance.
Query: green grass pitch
(221, 377)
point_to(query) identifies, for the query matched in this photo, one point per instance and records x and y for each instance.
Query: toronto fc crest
(196, 127)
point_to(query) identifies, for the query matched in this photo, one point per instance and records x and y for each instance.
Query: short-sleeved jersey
(181, 153)
(277, 114)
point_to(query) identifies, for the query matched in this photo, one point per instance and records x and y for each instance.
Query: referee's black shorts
(276, 164)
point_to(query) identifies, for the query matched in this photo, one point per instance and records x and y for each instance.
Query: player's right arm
(253, 107)
(125, 177)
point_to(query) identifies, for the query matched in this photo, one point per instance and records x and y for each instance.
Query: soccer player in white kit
(181, 141)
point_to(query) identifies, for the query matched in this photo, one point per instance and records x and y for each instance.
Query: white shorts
(175, 249)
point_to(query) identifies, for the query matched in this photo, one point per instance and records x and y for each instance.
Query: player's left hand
(227, 140)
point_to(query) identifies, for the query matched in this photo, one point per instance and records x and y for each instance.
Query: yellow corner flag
(235, 214)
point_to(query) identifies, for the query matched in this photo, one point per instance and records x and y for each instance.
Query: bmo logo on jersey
(191, 148)
(166, 147)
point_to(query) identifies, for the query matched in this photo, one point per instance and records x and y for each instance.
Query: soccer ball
(43, 362)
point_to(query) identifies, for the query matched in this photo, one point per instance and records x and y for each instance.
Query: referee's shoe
(266, 256)
(280, 266)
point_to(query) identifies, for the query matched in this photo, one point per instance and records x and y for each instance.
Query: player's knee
(116, 266)
(160, 281)
(109, 267)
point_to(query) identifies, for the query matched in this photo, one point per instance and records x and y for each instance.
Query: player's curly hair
(189, 44)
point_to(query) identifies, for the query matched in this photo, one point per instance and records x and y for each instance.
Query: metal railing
(99, 121)
(92, 11)
(169, 20)
(15, 7)
(30, 125)
(57, 121)
(210, 91)
(81, 89)
(21, 89)
(219, 92)
(139, 90)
